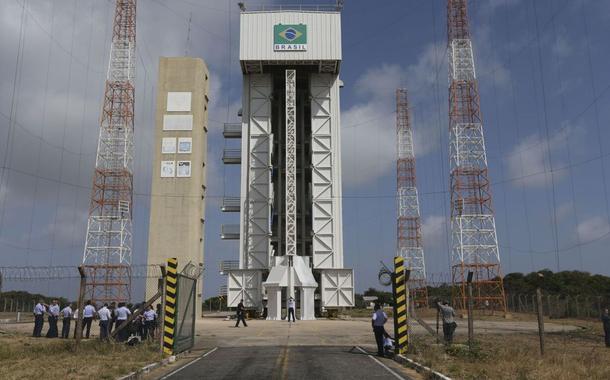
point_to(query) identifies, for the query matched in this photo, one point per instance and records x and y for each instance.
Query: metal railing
(227, 265)
(231, 156)
(230, 204)
(229, 231)
(232, 131)
(294, 7)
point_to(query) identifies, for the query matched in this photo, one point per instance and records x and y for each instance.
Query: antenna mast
(473, 227)
(107, 256)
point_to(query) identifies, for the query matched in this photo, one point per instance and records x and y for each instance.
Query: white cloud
(368, 128)
(433, 230)
(528, 160)
(592, 229)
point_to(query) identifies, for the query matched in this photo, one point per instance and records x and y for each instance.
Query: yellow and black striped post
(399, 288)
(169, 323)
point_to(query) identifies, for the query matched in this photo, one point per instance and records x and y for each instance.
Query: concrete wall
(177, 206)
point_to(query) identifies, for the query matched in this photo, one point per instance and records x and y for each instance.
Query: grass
(579, 354)
(23, 357)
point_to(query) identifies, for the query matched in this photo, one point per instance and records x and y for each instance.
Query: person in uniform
(377, 321)
(105, 317)
(449, 325)
(291, 307)
(39, 311)
(150, 317)
(606, 322)
(52, 318)
(241, 310)
(88, 314)
(122, 313)
(66, 314)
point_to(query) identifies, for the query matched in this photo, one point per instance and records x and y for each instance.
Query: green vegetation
(570, 283)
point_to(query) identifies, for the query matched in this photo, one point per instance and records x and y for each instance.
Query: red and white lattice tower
(107, 256)
(409, 237)
(473, 228)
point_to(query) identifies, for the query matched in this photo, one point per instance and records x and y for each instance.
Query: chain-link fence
(559, 306)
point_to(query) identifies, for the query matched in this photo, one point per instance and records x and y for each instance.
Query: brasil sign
(289, 37)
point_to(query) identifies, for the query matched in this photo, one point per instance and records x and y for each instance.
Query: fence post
(540, 320)
(470, 316)
(81, 301)
(548, 306)
(577, 307)
(162, 316)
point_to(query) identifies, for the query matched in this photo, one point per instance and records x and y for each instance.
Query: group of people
(110, 316)
(241, 312)
(385, 343)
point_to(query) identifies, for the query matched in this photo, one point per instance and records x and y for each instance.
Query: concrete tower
(177, 202)
(290, 232)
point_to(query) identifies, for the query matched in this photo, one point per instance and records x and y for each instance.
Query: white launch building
(290, 231)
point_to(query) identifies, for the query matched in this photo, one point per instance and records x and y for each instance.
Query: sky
(545, 100)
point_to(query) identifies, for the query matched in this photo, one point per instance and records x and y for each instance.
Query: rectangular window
(184, 169)
(178, 102)
(177, 122)
(168, 145)
(168, 169)
(185, 145)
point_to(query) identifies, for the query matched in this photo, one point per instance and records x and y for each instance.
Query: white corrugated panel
(323, 36)
(337, 288)
(244, 284)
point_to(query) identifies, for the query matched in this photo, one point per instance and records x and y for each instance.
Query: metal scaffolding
(473, 230)
(409, 237)
(107, 256)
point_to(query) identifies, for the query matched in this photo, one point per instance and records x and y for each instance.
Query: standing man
(150, 317)
(122, 313)
(379, 319)
(449, 325)
(240, 313)
(88, 314)
(39, 311)
(112, 322)
(606, 322)
(53, 317)
(105, 316)
(66, 314)
(291, 307)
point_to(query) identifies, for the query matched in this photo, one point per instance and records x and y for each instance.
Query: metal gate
(184, 336)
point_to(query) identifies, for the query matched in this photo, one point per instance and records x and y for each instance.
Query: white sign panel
(178, 102)
(185, 145)
(168, 169)
(177, 122)
(184, 169)
(168, 145)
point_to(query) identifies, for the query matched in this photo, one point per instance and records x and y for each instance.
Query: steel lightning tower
(409, 237)
(107, 256)
(473, 229)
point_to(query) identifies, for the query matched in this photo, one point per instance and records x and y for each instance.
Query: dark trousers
(87, 324)
(65, 327)
(124, 333)
(607, 336)
(149, 329)
(379, 330)
(291, 312)
(104, 332)
(448, 329)
(240, 317)
(38, 323)
(52, 332)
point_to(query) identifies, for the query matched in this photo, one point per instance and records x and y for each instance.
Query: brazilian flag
(290, 34)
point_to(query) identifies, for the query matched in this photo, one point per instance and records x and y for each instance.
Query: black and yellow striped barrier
(169, 323)
(399, 290)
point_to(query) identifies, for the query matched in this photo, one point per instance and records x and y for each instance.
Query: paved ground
(289, 362)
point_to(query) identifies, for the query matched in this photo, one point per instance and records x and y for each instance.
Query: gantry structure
(409, 236)
(107, 255)
(473, 230)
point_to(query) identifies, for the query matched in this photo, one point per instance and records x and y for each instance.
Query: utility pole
(409, 236)
(470, 314)
(107, 256)
(473, 226)
(540, 315)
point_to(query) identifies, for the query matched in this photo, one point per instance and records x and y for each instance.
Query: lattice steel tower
(107, 256)
(473, 229)
(409, 237)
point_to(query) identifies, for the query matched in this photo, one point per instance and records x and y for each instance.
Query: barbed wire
(30, 273)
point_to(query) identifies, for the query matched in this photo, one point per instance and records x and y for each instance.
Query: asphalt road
(289, 362)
